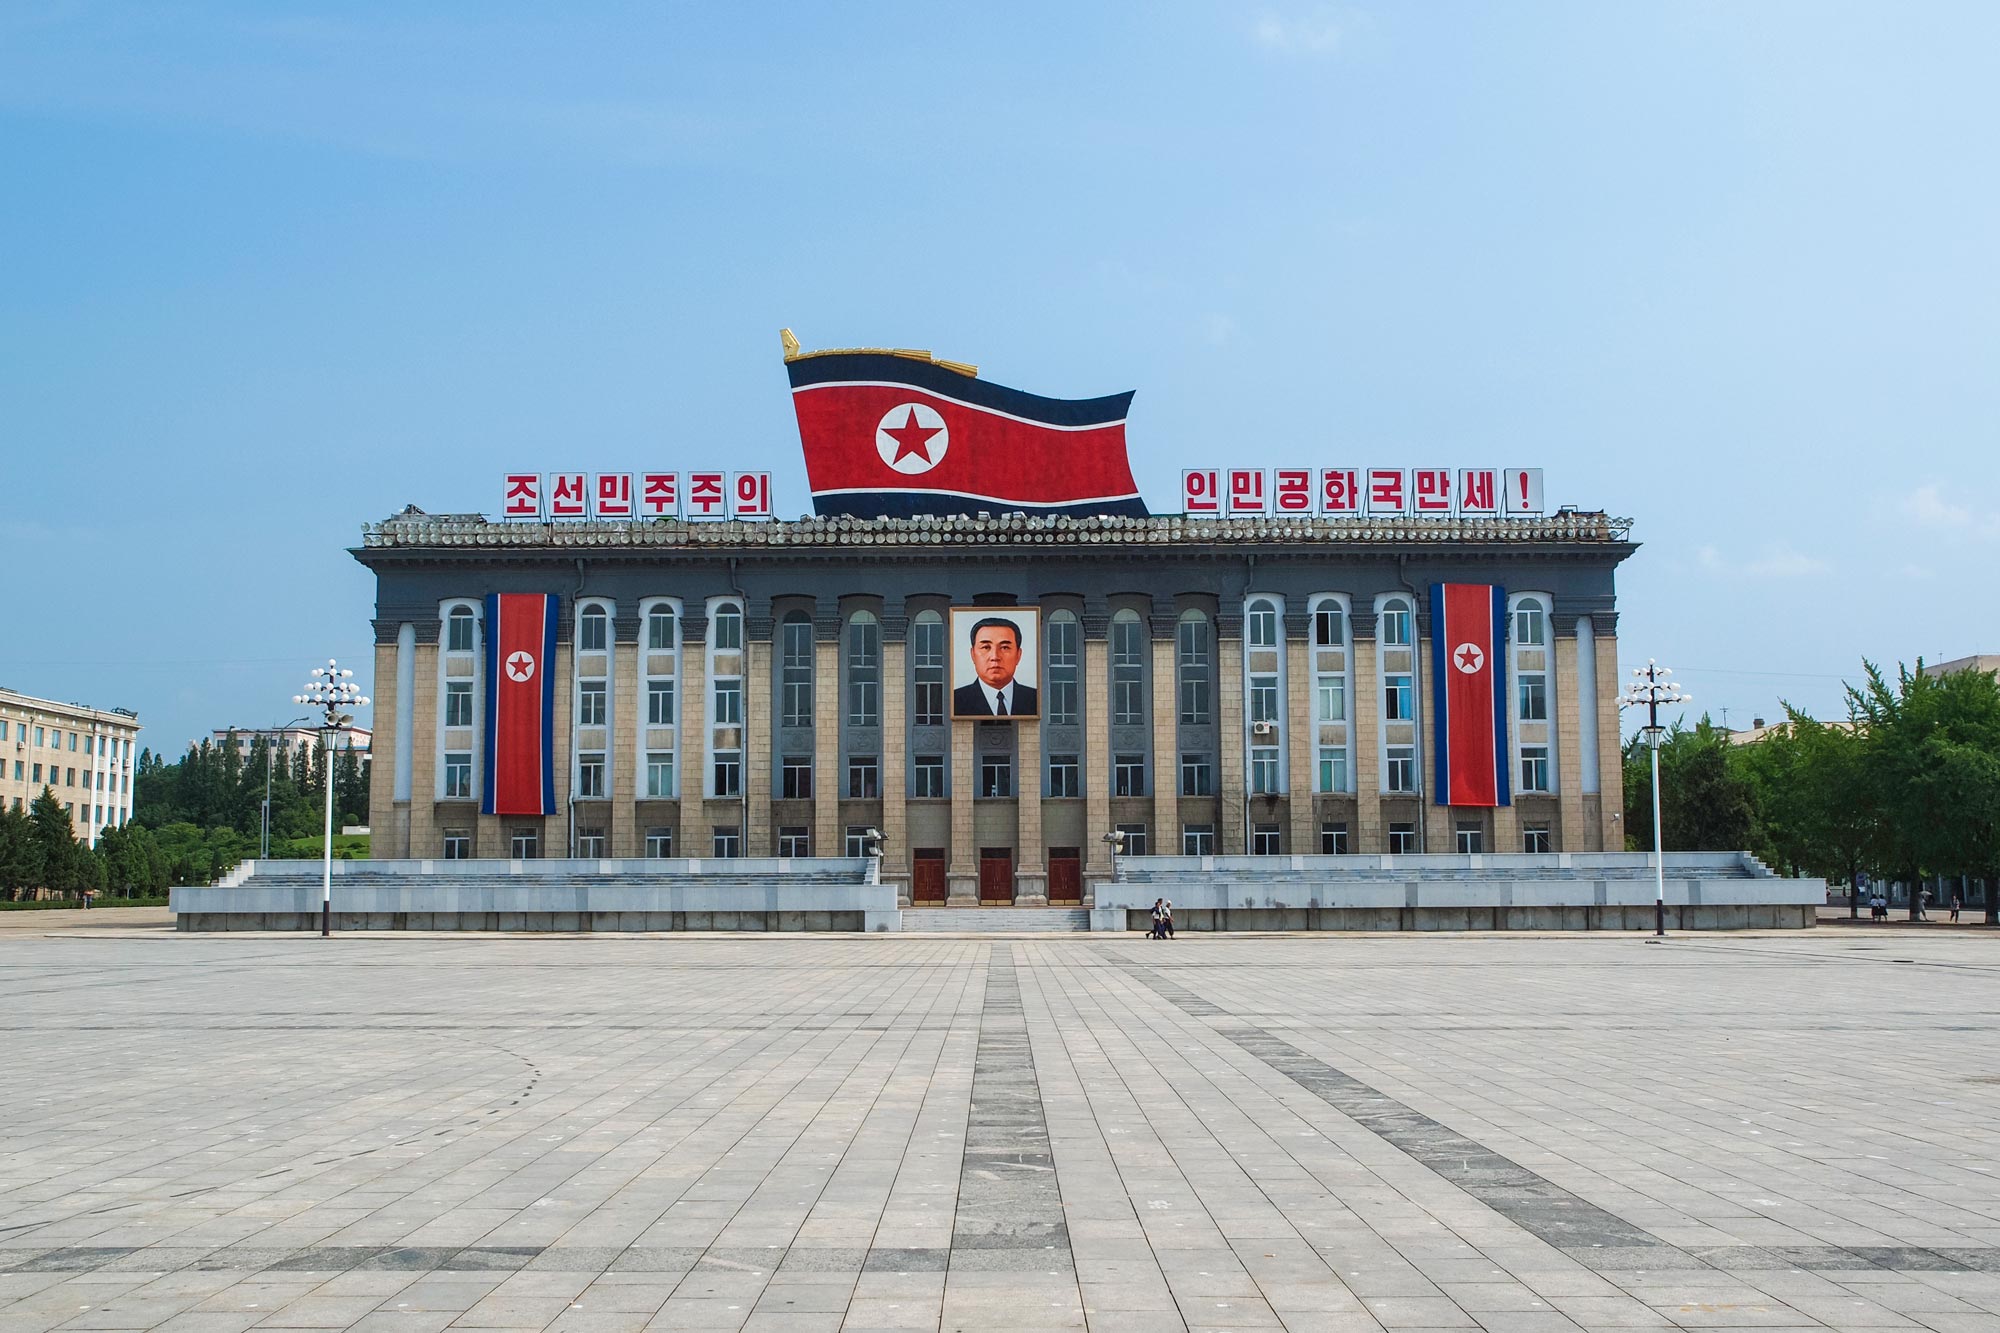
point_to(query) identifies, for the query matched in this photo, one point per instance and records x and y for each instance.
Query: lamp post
(1116, 842)
(270, 758)
(871, 847)
(1649, 691)
(331, 690)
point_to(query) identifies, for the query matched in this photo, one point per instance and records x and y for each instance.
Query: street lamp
(1649, 691)
(1116, 842)
(333, 691)
(871, 847)
(270, 758)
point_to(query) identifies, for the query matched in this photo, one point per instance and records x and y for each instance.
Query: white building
(84, 755)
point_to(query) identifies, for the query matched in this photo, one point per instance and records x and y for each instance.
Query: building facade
(85, 755)
(285, 741)
(781, 688)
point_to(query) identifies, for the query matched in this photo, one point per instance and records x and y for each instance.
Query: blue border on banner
(490, 651)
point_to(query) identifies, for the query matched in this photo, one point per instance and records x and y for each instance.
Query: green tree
(20, 855)
(66, 864)
(1705, 805)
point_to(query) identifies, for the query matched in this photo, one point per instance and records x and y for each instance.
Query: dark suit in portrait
(970, 701)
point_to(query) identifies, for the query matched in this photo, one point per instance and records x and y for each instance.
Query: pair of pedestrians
(1163, 920)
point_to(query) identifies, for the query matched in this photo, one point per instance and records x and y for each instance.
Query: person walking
(1154, 933)
(1167, 919)
(1957, 902)
(1923, 905)
(1878, 907)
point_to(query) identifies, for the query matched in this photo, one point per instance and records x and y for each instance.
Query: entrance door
(996, 874)
(927, 875)
(1065, 875)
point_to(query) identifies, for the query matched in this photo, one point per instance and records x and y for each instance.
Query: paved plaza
(404, 1134)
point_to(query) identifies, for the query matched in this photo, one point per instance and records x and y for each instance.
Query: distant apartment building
(286, 740)
(1987, 662)
(84, 755)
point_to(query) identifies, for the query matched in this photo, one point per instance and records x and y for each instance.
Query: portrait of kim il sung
(995, 657)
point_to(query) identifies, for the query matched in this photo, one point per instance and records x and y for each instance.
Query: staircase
(996, 920)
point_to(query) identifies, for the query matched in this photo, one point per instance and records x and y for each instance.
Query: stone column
(758, 715)
(1234, 839)
(389, 785)
(1572, 714)
(1610, 757)
(895, 754)
(1436, 821)
(1096, 620)
(424, 720)
(691, 736)
(962, 871)
(1166, 738)
(1364, 736)
(828, 777)
(1031, 870)
(1301, 733)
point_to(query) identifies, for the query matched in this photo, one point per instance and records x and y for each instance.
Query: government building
(84, 755)
(1208, 686)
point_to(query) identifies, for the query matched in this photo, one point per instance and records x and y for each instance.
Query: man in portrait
(996, 657)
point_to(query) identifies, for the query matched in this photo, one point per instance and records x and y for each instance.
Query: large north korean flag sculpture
(899, 433)
(1469, 675)
(520, 704)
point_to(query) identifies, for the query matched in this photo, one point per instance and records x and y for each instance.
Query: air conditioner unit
(1263, 728)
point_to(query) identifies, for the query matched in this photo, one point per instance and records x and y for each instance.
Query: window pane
(590, 630)
(660, 703)
(459, 635)
(660, 630)
(728, 633)
(1332, 698)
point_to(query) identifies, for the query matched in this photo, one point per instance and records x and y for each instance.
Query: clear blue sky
(273, 270)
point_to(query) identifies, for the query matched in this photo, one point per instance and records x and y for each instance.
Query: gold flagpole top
(793, 353)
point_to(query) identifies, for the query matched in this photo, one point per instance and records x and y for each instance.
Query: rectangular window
(728, 772)
(524, 844)
(458, 703)
(38, 736)
(1534, 697)
(795, 684)
(1471, 839)
(1135, 839)
(795, 779)
(794, 840)
(590, 630)
(1398, 700)
(1395, 629)
(927, 777)
(660, 774)
(590, 703)
(1265, 841)
(864, 673)
(1197, 775)
(728, 630)
(1065, 775)
(1402, 768)
(1535, 838)
(1331, 698)
(1332, 768)
(1328, 631)
(1534, 768)
(1128, 775)
(1262, 625)
(996, 775)
(590, 843)
(458, 635)
(70, 780)
(1403, 839)
(1128, 703)
(1332, 839)
(1192, 637)
(659, 841)
(724, 842)
(38, 772)
(857, 840)
(1194, 700)
(864, 778)
(659, 703)
(590, 774)
(1263, 698)
(458, 776)
(1264, 770)
(1197, 840)
(728, 703)
(457, 845)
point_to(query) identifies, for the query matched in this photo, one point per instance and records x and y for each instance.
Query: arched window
(1128, 679)
(1191, 642)
(796, 670)
(1396, 622)
(1530, 623)
(1062, 669)
(591, 627)
(1329, 625)
(927, 666)
(460, 630)
(1262, 626)
(660, 629)
(727, 633)
(864, 671)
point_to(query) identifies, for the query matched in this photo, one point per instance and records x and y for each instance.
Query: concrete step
(996, 920)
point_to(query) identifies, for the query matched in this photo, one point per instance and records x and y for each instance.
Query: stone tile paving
(407, 1134)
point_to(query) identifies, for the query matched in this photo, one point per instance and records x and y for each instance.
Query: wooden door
(996, 874)
(1065, 875)
(927, 875)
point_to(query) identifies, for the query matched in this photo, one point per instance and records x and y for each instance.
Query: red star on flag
(911, 439)
(1470, 658)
